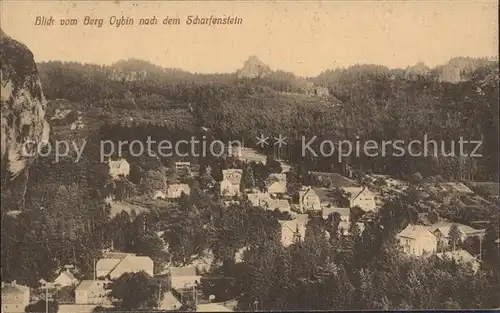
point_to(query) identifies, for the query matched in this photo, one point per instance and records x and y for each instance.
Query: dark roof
(324, 194)
(8, 288)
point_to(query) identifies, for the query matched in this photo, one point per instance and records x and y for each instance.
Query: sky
(304, 37)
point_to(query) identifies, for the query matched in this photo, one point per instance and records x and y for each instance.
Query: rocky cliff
(253, 67)
(23, 108)
(416, 71)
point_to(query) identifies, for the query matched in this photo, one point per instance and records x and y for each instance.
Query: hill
(365, 102)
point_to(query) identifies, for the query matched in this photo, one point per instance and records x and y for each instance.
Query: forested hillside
(377, 103)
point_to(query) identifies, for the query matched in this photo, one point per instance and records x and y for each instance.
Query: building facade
(15, 297)
(417, 240)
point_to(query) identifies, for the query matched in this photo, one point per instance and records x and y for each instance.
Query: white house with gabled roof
(231, 182)
(114, 264)
(417, 240)
(361, 197)
(308, 200)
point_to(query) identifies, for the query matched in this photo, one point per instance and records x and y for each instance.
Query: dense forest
(377, 104)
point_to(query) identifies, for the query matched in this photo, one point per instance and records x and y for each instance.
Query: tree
(354, 231)
(41, 306)
(454, 237)
(184, 232)
(248, 180)
(490, 247)
(472, 245)
(332, 224)
(273, 165)
(65, 295)
(136, 291)
(153, 181)
(433, 217)
(380, 181)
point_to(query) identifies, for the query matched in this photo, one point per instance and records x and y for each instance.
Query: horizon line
(344, 67)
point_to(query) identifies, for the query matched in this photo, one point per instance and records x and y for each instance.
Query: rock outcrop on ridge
(253, 67)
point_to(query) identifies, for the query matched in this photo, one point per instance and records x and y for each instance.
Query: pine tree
(248, 177)
(454, 237)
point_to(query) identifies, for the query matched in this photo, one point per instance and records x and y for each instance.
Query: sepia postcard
(220, 156)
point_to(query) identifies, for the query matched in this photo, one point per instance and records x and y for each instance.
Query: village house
(169, 302)
(276, 188)
(230, 184)
(361, 197)
(291, 230)
(281, 205)
(417, 240)
(308, 200)
(15, 297)
(258, 199)
(183, 169)
(344, 213)
(159, 195)
(442, 231)
(276, 184)
(175, 191)
(92, 292)
(119, 168)
(180, 166)
(65, 278)
(183, 277)
(114, 264)
(460, 257)
(231, 202)
(457, 193)
(264, 200)
(45, 284)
